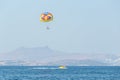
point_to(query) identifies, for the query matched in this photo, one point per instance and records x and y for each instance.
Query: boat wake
(47, 68)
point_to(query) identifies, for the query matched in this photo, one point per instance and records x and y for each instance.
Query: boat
(62, 67)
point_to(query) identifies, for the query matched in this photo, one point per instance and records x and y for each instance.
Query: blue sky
(81, 26)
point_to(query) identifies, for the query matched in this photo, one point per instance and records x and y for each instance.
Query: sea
(55, 73)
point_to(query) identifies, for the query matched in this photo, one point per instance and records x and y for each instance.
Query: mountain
(46, 56)
(78, 63)
(32, 54)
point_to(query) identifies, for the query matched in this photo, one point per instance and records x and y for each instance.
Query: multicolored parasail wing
(46, 17)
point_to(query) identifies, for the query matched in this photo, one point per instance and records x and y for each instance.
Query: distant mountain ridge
(45, 56)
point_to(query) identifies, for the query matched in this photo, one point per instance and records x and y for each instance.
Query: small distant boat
(62, 67)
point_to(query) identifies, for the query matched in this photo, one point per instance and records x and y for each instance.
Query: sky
(80, 26)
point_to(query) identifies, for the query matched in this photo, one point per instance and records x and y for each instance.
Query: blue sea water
(54, 73)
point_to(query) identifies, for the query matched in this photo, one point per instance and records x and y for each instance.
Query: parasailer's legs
(47, 28)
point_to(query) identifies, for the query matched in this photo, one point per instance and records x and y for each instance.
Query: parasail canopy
(46, 17)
